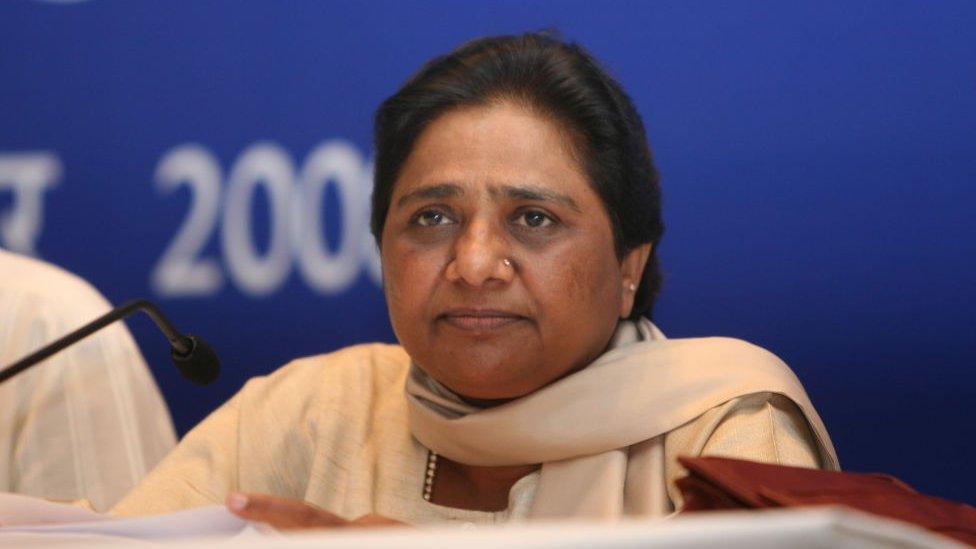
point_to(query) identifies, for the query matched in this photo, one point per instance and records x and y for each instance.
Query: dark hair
(555, 79)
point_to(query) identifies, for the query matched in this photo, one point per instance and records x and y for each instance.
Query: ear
(631, 270)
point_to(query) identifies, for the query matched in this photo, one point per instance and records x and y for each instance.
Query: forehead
(499, 145)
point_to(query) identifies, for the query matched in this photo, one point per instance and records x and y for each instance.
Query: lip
(479, 320)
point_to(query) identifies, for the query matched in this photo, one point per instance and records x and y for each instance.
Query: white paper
(20, 510)
(21, 517)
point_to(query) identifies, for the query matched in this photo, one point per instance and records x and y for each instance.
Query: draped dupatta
(599, 432)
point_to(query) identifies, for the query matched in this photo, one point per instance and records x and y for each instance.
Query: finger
(375, 520)
(281, 513)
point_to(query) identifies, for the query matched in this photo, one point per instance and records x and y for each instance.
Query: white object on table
(206, 527)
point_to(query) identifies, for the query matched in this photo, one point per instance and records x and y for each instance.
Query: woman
(517, 212)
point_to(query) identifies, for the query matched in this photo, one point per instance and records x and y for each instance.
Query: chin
(484, 370)
(486, 399)
(489, 385)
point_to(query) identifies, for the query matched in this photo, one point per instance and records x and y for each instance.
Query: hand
(294, 514)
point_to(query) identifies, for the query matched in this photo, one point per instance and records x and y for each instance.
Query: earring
(633, 287)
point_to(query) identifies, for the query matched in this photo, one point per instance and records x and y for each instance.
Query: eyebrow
(531, 192)
(443, 190)
(517, 192)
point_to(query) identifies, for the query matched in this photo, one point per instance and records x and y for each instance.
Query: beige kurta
(333, 430)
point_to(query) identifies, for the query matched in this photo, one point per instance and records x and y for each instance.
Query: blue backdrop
(818, 164)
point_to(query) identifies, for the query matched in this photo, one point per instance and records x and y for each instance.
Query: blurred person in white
(87, 423)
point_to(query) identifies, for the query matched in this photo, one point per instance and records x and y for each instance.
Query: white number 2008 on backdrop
(295, 200)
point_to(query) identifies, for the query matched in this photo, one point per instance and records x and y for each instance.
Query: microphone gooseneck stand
(193, 356)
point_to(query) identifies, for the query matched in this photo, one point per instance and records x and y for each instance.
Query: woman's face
(484, 185)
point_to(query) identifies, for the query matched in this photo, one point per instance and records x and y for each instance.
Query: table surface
(826, 527)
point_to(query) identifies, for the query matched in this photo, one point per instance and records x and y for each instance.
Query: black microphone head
(200, 365)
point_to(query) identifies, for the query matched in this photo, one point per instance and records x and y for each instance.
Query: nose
(480, 256)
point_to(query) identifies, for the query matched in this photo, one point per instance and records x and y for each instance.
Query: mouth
(480, 320)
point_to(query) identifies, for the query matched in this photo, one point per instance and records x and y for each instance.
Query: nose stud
(507, 262)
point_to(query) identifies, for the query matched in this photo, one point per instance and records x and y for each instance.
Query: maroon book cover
(721, 483)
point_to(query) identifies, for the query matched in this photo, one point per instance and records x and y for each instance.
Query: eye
(534, 219)
(431, 218)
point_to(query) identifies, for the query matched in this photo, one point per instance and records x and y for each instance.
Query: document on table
(21, 515)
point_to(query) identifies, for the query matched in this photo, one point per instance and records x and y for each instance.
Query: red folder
(722, 483)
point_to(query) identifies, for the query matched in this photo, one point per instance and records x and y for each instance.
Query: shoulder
(711, 369)
(724, 350)
(49, 289)
(713, 349)
(357, 361)
(722, 367)
(319, 407)
(734, 382)
(40, 302)
(354, 374)
(722, 371)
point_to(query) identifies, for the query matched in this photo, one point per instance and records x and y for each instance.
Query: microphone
(194, 358)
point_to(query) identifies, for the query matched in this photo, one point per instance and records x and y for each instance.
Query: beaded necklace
(430, 475)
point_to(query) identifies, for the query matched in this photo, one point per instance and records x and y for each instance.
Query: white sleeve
(89, 422)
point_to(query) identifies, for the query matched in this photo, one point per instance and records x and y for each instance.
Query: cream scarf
(599, 432)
